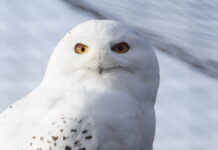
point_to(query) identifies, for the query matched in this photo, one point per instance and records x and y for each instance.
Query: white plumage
(100, 99)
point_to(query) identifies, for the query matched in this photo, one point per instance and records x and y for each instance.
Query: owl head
(104, 50)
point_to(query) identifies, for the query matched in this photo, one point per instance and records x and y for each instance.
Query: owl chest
(92, 119)
(111, 112)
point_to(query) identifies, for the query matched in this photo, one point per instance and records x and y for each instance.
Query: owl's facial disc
(117, 49)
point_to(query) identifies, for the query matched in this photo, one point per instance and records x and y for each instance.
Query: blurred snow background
(185, 37)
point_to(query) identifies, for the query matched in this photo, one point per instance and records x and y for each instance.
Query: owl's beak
(100, 70)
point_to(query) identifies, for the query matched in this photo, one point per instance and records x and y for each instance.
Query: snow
(187, 114)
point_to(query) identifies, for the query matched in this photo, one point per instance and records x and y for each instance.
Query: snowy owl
(98, 93)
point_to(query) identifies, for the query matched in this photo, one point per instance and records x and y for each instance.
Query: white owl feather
(100, 97)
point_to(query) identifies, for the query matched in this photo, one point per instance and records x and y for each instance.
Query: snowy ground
(187, 114)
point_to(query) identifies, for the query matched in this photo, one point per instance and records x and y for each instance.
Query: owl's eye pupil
(83, 49)
(120, 48)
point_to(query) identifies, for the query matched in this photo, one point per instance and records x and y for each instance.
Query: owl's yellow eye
(121, 47)
(81, 48)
